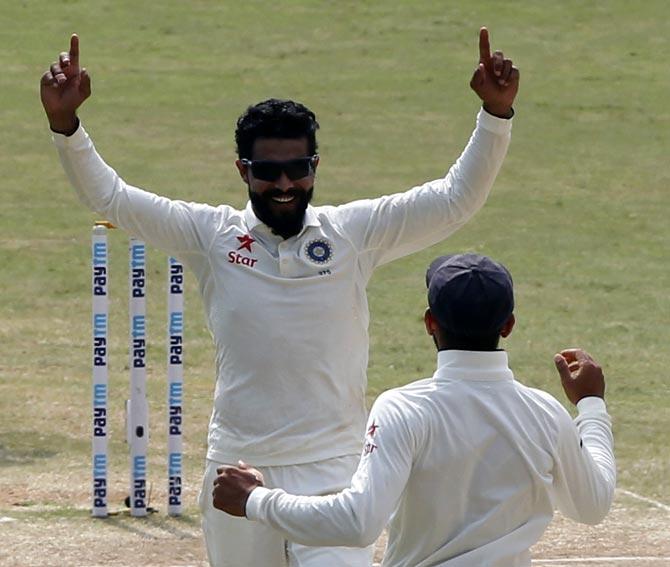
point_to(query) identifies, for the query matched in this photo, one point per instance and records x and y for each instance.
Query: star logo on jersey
(245, 242)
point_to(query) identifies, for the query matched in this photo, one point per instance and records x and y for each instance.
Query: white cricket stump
(100, 372)
(175, 384)
(137, 408)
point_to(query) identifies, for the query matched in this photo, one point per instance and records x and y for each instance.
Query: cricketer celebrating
(283, 285)
(468, 464)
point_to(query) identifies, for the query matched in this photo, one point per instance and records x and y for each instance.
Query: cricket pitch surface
(636, 533)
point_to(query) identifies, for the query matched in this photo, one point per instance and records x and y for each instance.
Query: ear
(315, 163)
(508, 326)
(243, 169)
(430, 322)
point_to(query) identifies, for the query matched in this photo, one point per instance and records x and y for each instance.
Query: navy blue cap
(469, 295)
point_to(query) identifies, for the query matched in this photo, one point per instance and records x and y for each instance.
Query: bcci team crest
(319, 251)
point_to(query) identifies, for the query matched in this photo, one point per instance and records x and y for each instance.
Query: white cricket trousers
(238, 542)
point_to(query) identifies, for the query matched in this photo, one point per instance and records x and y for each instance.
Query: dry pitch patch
(631, 532)
(51, 536)
(81, 541)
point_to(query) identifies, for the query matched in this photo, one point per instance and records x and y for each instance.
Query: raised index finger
(74, 50)
(484, 46)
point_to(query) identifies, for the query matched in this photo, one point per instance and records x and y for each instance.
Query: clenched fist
(233, 486)
(581, 376)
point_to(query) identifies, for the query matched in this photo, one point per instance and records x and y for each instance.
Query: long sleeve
(585, 475)
(173, 226)
(396, 225)
(357, 515)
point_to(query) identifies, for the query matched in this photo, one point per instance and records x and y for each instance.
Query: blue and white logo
(319, 251)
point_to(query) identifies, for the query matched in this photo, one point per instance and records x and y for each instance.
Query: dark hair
(274, 118)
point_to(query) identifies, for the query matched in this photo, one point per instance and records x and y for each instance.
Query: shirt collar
(472, 365)
(252, 221)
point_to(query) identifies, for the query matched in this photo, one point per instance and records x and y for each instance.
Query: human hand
(581, 376)
(63, 88)
(233, 486)
(495, 80)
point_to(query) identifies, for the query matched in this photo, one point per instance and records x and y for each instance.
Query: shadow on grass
(181, 526)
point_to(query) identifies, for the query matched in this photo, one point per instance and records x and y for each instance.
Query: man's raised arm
(396, 225)
(173, 226)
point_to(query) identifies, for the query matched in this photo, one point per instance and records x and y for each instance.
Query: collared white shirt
(468, 465)
(289, 317)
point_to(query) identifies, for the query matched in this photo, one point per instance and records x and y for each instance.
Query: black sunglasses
(270, 170)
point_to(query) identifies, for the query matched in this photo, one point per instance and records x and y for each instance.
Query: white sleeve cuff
(493, 123)
(253, 508)
(591, 404)
(77, 140)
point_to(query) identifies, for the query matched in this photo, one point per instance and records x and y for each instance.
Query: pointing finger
(74, 50)
(484, 46)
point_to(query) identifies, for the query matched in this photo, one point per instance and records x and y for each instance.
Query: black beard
(285, 225)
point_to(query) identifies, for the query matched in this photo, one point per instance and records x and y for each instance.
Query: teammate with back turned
(468, 464)
(283, 285)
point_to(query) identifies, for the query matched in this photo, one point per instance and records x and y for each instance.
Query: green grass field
(578, 213)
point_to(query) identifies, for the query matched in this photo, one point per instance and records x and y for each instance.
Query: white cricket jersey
(468, 465)
(289, 317)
